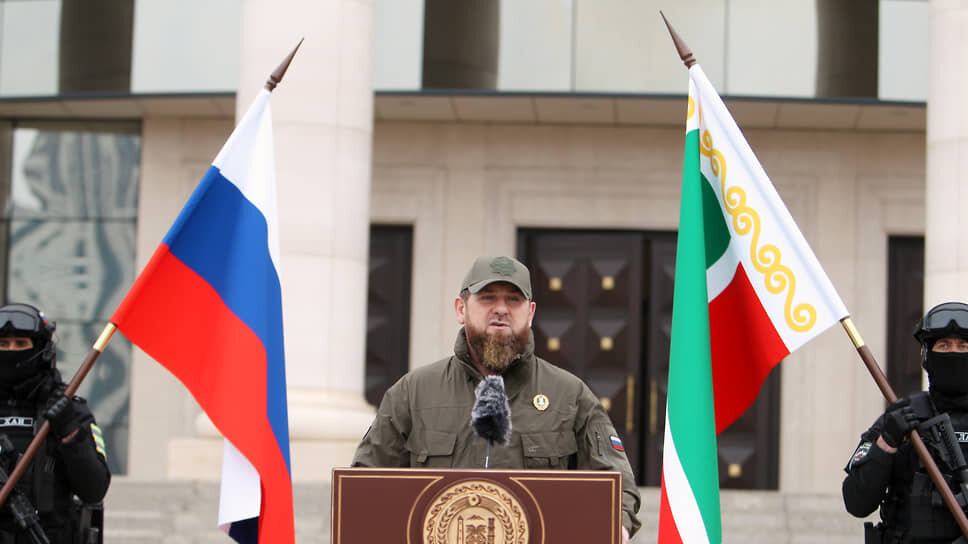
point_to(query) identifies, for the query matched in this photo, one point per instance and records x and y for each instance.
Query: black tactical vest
(42, 483)
(914, 503)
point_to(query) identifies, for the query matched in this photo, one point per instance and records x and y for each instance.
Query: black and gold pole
(867, 357)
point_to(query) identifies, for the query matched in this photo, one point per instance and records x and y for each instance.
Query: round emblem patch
(540, 402)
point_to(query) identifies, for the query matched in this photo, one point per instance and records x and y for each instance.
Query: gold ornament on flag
(777, 277)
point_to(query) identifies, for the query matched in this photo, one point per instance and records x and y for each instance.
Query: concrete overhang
(503, 107)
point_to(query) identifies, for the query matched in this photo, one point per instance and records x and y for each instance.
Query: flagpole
(274, 79)
(44, 430)
(865, 354)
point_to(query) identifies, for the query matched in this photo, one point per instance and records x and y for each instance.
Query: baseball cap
(487, 270)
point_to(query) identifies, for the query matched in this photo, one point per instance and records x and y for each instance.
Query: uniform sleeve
(385, 442)
(599, 448)
(85, 458)
(868, 474)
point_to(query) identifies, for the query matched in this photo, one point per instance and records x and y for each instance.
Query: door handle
(630, 404)
(653, 407)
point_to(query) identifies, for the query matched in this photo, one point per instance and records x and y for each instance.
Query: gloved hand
(63, 418)
(899, 420)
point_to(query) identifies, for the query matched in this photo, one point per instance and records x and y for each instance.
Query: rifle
(23, 512)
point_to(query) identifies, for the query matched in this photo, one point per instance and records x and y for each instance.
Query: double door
(604, 312)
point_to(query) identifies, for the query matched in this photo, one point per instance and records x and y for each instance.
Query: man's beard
(495, 351)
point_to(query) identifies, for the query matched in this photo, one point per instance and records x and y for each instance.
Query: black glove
(63, 418)
(899, 420)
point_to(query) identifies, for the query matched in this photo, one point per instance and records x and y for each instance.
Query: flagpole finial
(684, 53)
(276, 76)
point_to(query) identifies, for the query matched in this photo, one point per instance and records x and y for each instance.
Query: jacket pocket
(550, 450)
(431, 448)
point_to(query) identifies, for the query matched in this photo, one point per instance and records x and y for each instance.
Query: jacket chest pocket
(431, 448)
(551, 450)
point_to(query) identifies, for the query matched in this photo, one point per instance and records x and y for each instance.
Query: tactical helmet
(946, 319)
(26, 320)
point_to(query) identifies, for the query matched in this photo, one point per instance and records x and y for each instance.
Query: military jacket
(556, 423)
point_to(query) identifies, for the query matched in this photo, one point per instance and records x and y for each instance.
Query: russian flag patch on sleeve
(616, 443)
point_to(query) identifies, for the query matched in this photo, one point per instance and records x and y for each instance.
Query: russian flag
(208, 307)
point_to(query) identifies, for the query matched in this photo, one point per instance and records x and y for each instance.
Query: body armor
(913, 510)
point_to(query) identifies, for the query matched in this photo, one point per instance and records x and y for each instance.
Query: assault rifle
(24, 514)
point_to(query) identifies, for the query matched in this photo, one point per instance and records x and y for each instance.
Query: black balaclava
(947, 371)
(21, 371)
(16, 366)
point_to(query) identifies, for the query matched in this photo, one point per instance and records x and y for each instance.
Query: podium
(457, 506)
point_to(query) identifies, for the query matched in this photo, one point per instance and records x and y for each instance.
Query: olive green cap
(487, 270)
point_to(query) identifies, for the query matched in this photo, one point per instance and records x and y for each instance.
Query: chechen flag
(208, 306)
(748, 292)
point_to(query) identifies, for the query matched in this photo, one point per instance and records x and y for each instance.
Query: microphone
(491, 415)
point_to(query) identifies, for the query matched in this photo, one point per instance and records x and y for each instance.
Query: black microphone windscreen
(491, 416)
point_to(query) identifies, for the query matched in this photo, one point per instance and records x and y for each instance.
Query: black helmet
(947, 319)
(26, 320)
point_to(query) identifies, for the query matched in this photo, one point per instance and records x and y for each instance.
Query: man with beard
(556, 420)
(885, 470)
(69, 473)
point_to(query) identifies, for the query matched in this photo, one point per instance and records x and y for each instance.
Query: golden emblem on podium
(475, 512)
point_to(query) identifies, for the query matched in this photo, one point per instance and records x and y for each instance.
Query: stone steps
(186, 513)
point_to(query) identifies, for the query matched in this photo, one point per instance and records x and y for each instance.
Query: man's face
(497, 320)
(950, 344)
(16, 343)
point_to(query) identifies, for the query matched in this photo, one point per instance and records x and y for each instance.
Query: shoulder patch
(860, 453)
(98, 440)
(616, 442)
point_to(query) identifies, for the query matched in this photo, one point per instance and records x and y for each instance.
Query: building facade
(412, 136)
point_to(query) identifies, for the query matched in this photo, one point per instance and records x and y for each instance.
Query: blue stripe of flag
(223, 237)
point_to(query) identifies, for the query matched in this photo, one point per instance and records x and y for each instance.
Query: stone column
(847, 48)
(946, 191)
(322, 125)
(461, 44)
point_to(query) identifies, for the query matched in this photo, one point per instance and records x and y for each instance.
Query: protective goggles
(942, 317)
(20, 319)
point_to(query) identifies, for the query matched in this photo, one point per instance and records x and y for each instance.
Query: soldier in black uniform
(70, 468)
(885, 470)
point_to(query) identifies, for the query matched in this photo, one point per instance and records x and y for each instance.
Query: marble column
(322, 125)
(946, 191)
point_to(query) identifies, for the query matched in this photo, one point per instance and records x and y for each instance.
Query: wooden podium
(450, 506)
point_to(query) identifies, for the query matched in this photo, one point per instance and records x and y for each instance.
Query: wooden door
(587, 286)
(613, 289)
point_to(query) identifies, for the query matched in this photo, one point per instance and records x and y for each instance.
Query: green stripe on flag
(690, 398)
(716, 232)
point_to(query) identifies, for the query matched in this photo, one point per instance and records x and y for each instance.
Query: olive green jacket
(424, 421)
